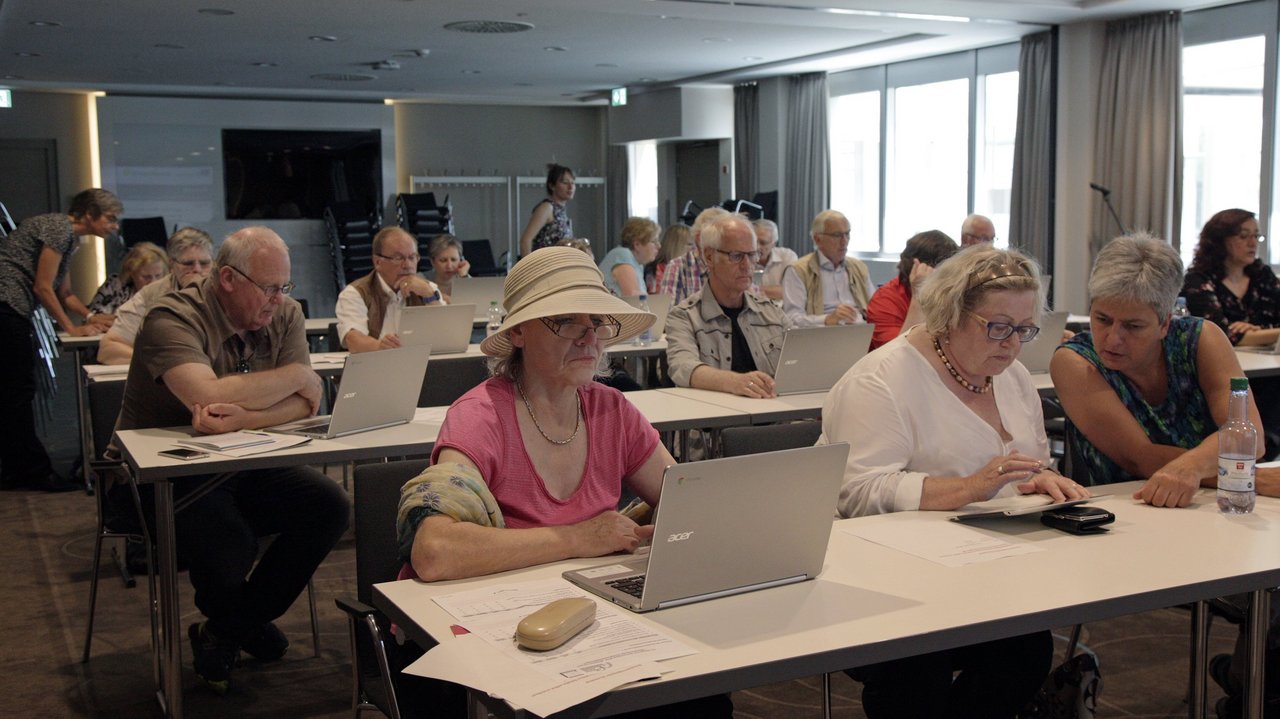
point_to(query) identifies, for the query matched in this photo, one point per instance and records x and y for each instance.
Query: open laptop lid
(378, 389)
(478, 291)
(659, 305)
(711, 538)
(1037, 353)
(444, 328)
(814, 358)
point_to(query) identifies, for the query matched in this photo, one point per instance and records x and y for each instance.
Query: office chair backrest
(143, 229)
(737, 441)
(447, 380)
(377, 495)
(480, 254)
(105, 398)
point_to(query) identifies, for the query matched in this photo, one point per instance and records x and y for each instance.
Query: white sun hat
(560, 281)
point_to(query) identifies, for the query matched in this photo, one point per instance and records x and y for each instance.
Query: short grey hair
(186, 238)
(765, 224)
(703, 218)
(241, 244)
(820, 221)
(963, 282)
(1138, 267)
(714, 230)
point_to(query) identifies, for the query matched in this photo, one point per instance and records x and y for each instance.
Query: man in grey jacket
(724, 337)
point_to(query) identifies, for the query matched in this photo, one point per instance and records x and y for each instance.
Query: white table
(874, 604)
(761, 410)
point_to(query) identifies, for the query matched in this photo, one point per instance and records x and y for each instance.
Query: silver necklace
(954, 374)
(577, 426)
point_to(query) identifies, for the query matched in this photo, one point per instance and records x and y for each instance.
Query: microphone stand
(1106, 198)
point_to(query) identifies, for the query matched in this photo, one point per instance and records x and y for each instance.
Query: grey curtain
(618, 190)
(1139, 126)
(806, 185)
(1031, 204)
(746, 140)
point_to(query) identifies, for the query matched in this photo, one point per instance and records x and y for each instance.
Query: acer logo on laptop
(349, 395)
(679, 536)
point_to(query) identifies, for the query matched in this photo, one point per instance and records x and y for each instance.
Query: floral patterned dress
(1182, 420)
(1207, 297)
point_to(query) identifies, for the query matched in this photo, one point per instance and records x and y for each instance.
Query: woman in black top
(1229, 285)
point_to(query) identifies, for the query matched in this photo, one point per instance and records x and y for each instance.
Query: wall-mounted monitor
(294, 174)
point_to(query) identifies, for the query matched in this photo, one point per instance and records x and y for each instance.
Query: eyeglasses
(401, 258)
(268, 290)
(1001, 331)
(606, 327)
(839, 235)
(194, 263)
(737, 257)
(1246, 236)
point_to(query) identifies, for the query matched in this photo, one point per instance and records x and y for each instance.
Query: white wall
(161, 137)
(63, 117)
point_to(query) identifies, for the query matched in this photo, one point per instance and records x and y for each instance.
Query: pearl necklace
(956, 375)
(577, 426)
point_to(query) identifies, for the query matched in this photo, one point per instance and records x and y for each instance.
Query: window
(927, 169)
(1221, 132)
(919, 145)
(855, 166)
(642, 168)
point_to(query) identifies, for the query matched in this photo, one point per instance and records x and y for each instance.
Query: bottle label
(1235, 475)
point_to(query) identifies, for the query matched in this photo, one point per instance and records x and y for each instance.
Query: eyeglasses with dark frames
(194, 263)
(737, 257)
(268, 290)
(606, 327)
(401, 258)
(1001, 331)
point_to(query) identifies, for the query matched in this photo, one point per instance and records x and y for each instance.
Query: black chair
(736, 441)
(480, 254)
(7, 225)
(447, 380)
(377, 495)
(350, 228)
(143, 229)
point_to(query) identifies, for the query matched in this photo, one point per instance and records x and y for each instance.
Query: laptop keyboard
(629, 585)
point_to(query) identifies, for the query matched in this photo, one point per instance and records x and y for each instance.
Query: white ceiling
(263, 48)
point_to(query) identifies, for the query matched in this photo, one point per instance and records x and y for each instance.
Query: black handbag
(1071, 689)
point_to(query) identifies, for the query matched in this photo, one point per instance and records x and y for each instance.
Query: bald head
(977, 229)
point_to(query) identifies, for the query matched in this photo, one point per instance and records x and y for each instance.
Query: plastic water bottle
(1237, 450)
(1180, 308)
(644, 339)
(495, 319)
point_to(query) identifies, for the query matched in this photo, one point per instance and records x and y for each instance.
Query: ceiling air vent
(344, 77)
(488, 27)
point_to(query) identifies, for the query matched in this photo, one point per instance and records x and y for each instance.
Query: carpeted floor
(48, 544)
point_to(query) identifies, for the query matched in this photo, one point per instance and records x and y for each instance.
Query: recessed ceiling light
(27, 54)
(715, 39)
(168, 46)
(14, 77)
(523, 84)
(753, 58)
(470, 72)
(555, 48)
(323, 38)
(567, 94)
(44, 23)
(265, 64)
(605, 64)
(488, 27)
(344, 77)
(221, 12)
(646, 79)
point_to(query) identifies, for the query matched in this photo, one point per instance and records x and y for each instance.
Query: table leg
(170, 632)
(86, 422)
(1199, 658)
(1257, 624)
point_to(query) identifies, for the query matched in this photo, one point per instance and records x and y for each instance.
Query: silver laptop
(1271, 349)
(659, 305)
(444, 328)
(378, 389)
(708, 539)
(814, 358)
(1037, 353)
(478, 291)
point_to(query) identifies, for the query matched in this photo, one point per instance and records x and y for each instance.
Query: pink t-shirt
(482, 425)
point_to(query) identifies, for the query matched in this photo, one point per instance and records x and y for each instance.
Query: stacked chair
(350, 228)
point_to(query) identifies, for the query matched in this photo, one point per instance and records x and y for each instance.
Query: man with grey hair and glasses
(225, 354)
(772, 260)
(826, 286)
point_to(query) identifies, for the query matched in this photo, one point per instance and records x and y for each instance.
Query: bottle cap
(1239, 384)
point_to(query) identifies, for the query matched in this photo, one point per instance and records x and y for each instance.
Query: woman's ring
(1000, 469)
(750, 383)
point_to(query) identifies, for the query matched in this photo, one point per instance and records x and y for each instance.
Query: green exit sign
(618, 97)
(6, 98)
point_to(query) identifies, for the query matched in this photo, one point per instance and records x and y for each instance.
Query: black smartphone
(182, 453)
(1078, 519)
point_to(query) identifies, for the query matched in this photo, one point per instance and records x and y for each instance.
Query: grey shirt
(20, 254)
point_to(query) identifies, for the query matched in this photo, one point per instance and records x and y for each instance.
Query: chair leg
(122, 567)
(315, 620)
(1199, 658)
(826, 695)
(93, 593)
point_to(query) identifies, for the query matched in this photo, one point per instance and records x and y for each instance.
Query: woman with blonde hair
(145, 263)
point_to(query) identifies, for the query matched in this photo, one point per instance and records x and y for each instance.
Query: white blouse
(904, 424)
